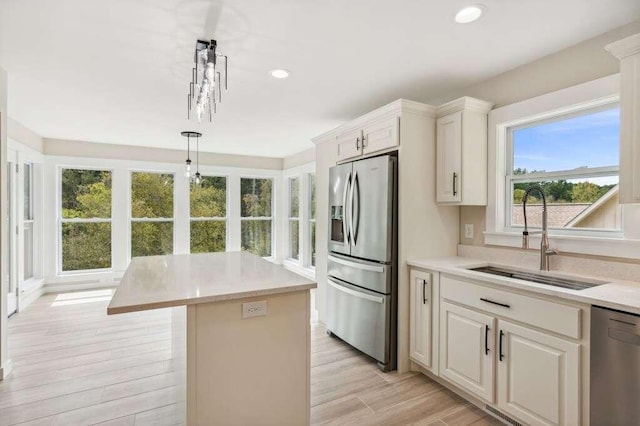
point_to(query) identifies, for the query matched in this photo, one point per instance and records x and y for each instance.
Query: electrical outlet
(468, 230)
(254, 309)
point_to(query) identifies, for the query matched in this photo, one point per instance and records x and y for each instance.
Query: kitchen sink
(572, 284)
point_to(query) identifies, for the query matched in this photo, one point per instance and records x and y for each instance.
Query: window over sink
(574, 157)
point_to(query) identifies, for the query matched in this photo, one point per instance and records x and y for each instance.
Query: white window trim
(272, 218)
(224, 219)
(287, 181)
(583, 96)
(301, 265)
(60, 220)
(133, 220)
(309, 220)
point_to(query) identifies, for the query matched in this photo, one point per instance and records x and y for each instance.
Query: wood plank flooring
(74, 365)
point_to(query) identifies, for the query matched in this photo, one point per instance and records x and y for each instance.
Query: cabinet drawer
(555, 317)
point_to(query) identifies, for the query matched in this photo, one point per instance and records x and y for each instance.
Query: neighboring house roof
(594, 207)
(558, 215)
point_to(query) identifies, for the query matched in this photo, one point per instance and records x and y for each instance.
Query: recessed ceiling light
(280, 73)
(469, 14)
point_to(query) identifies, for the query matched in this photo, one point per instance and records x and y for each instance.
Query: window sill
(294, 266)
(595, 246)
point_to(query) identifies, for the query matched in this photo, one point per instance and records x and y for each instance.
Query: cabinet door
(349, 145)
(538, 376)
(381, 135)
(449, 158)
(420, 316)
(466, 349)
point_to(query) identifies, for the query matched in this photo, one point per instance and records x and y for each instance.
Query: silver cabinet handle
(364, 141)
(345, 227)
(424, 297)
(359, 295)
(365, 267)
(455, 184)
(355, 207)
(358, 143)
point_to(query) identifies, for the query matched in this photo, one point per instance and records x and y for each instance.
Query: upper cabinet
(628, 51)
(461, 152)
(368, 138)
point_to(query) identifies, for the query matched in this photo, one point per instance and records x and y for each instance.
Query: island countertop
(174, 280)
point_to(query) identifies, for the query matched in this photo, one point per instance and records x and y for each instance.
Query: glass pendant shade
(187, 168)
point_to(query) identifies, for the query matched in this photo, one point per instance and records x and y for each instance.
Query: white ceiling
(116, 71)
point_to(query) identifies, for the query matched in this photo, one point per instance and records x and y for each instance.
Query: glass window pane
(294, 239)
(28, 212)
(209, 199)
(28, 250)
(312, 229)
(86, 246)
(294, 197)
(208, 236)
(151, 195)
(574, 203)
(255, 197)
(86, 193)
(312, 196)
(583, 141)
(151, 238)
(256, 237)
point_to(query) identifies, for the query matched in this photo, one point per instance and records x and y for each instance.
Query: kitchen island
(247, 333)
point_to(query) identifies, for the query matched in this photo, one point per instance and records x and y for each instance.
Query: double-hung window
(311, 218)
(574, 158)
(293, 222)
(256, 215)
(28, 220)
(208, 205)
(151, 213)
(85, 224)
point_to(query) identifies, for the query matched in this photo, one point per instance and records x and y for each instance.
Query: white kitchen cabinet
(461, 152)
(380, 135)
(349, 144)
(420, 311)
(628, 51)
(538, 376)
(466, 349)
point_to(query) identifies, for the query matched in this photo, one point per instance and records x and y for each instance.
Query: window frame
(591, 94)
(224, 219)
(290, 218)
(60, 220)
(29, 222)
(272, 218)
(131, 219)
(510, 178)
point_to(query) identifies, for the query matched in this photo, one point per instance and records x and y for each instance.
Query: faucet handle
(551, 252)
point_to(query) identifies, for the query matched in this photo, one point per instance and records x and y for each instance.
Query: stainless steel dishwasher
(615, 367)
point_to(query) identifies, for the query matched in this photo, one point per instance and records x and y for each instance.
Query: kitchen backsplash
(628, 270)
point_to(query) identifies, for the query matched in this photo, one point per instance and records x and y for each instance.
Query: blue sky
(590, 140)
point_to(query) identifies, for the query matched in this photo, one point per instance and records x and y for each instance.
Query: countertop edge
(459, 266)
(209, 299)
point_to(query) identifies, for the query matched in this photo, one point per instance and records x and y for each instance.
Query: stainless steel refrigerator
(362, 261)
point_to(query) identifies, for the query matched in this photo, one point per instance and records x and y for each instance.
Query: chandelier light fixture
(207, 77)
(187, 165)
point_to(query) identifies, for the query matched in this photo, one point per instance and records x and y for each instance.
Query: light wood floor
(74, 365)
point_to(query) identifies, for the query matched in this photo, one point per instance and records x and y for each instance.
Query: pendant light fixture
(187, 166)
(198, 177)
(205, 88)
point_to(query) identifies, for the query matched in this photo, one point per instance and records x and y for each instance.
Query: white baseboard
(64, 287)
(28, 298)
(5, 369)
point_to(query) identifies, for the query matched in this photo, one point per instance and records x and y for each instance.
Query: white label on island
(254, 309)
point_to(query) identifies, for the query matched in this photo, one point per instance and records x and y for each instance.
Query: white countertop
(163, 281)
(615, 294)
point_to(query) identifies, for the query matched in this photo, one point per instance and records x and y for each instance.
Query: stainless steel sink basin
(569, 283)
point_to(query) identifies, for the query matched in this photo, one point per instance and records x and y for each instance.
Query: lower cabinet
(538, 376)
(466, 349)
(420, 300)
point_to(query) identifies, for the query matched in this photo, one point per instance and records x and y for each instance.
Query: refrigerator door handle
(355, 207)
(357, 265)
(359, 295)
(345, 216)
